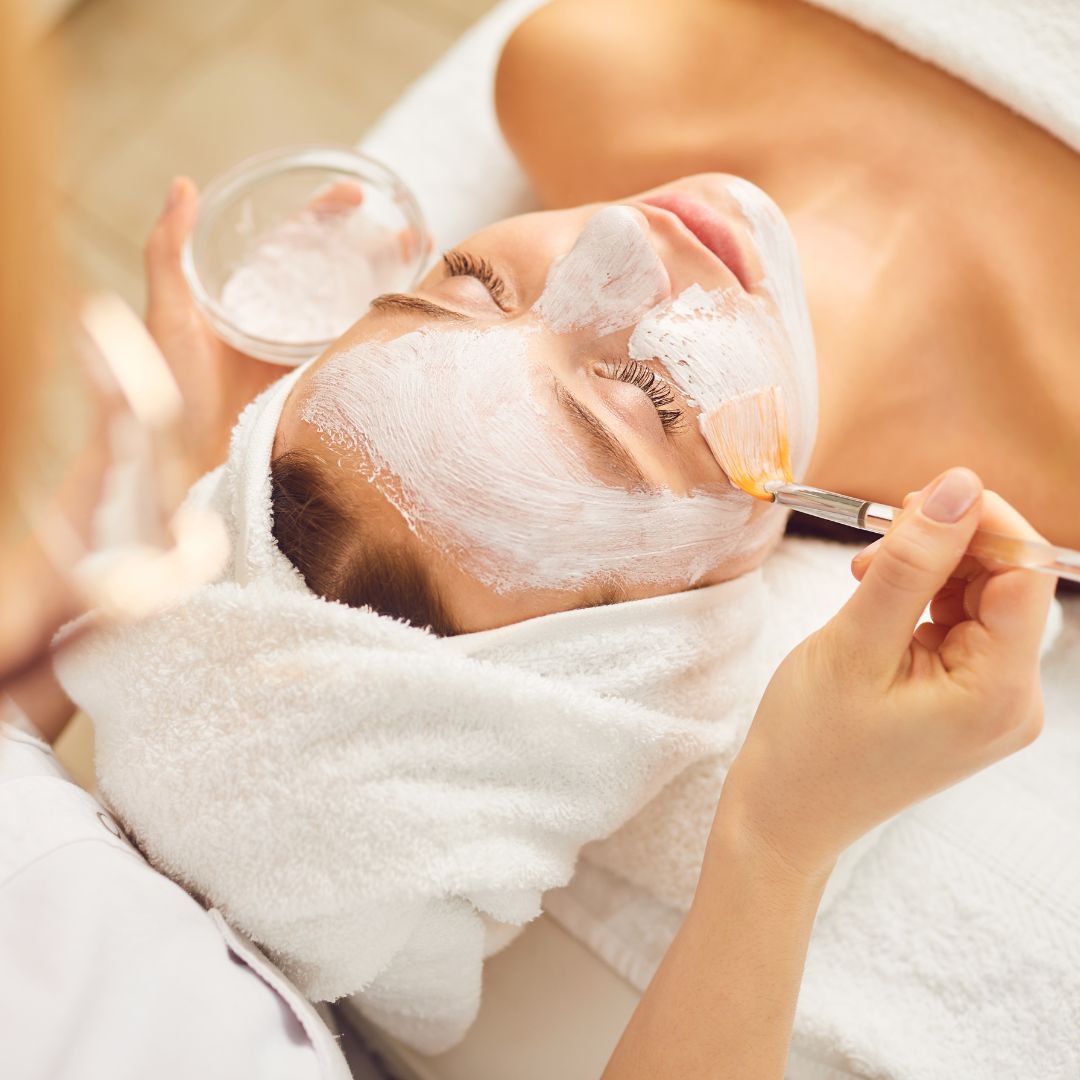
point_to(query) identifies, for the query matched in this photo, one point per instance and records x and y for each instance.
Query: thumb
(917, 557)
(165, 282)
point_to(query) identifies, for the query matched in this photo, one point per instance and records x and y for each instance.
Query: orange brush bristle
(748, 436)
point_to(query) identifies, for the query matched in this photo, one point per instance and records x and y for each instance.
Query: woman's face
(526, 422)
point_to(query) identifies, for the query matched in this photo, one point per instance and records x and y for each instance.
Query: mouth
(708, 226)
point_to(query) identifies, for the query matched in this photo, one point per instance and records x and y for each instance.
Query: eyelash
(462, 264)
(656, 389)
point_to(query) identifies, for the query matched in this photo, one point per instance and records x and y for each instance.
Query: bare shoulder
(576, 82)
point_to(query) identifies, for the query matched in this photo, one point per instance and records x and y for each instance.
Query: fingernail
(952, 497)
(868, 551)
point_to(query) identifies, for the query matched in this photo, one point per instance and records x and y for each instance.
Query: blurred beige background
(154, 88)
(160, 87)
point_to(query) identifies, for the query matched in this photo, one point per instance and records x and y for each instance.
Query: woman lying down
(491, 598)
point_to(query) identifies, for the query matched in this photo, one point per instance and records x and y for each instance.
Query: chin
(766, 539)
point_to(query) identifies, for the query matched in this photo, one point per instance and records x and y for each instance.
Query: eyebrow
(599, 435)
(416, 305)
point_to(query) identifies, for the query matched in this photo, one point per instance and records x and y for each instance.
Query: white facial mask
(609, 279)
(457, 428)
(784, 284)
(448, 425)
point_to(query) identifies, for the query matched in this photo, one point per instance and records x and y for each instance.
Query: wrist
(737, 837)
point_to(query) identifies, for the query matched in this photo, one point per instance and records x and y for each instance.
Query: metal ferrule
(829, 505)
(877, 517)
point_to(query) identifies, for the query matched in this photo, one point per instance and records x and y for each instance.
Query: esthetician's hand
(871, 714)
(216, 380)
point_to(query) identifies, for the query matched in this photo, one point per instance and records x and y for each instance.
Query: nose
(608, 279)
(638, 215)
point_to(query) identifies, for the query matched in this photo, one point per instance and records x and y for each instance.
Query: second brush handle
(877, 517)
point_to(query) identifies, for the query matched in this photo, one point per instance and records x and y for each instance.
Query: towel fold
(1022, 54)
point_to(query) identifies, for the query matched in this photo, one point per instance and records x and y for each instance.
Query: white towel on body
(1022, 53)
(948, 943)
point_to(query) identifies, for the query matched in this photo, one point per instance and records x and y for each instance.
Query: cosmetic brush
(748, 436)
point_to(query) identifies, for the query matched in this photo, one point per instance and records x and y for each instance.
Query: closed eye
(600, 437)
(461, 264)
(655, 387)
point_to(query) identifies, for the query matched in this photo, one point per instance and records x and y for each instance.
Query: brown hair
(319, 534)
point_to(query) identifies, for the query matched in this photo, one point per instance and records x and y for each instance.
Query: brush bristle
(749, 439)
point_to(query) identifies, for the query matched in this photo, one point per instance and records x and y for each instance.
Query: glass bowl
(290, 247)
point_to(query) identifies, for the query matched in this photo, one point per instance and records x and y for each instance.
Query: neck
(893, 177)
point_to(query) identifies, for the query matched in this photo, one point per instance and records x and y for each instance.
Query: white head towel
(360, 797)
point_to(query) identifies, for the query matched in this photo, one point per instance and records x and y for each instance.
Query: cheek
(714, 345)
(719, 345)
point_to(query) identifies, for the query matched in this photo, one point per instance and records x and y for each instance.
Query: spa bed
(550, 1010)
(551, 1007)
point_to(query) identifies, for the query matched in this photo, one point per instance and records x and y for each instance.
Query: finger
(411, 240)
(1011, 603)
(958, 599)
(949, 607)
(968, 569)
(916, 558)
(930, 635)
(973, 593)
(864, 558)
(164, 276)
(338, 198)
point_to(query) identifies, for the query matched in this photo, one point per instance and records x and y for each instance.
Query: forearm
(723, 1001)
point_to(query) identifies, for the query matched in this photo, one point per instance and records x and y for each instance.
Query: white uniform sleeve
(109, 969)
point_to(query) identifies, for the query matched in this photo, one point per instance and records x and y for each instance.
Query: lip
(709, 227)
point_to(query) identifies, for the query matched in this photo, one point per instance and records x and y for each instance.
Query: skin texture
(216, 381)
(522, 250)
(945, 324)
(937, 231)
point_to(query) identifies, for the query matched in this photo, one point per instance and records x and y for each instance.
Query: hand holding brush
(748, 437)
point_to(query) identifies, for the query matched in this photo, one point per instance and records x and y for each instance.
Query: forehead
(292, 431)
